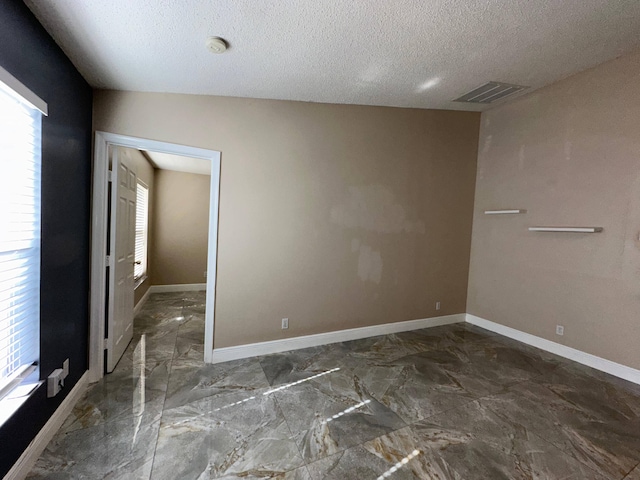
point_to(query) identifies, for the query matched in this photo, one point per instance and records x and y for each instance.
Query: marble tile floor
(452, 402)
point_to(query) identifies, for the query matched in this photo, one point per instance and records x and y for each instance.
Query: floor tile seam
(318, 417)
(478, 340)
(360, 444)
(217, 394)
(507, 387)
(442, 412)
(567, 453)
(506, 341)
(292, 436)
(504, 387)
(449, 466)
(520, 382)
(447, 349)
(164, 402)
(555, 367)
(101, 423)
(597, 377)
(306, 468)
(555, 394)
(307, 463)
(157, 436)
(304, 462)
(559, 447)
(349, 400)
(50, 464)
(418, 447)
(631, 471)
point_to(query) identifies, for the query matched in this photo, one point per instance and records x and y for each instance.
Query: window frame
(23, 380)
(139, 279)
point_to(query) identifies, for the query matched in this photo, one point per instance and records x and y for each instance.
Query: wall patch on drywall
(369, 264)
(521, 157)
(374, 208)
(487, 143)
(568, 146)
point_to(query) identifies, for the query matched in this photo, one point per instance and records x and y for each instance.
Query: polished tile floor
(453, 402)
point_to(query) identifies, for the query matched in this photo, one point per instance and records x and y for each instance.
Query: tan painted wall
(181, 226)
(335, 216)
(145, 172)
(570, 155)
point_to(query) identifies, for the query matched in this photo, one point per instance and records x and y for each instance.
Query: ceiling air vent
(490, 92)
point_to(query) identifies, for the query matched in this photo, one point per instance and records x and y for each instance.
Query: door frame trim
(99, 238)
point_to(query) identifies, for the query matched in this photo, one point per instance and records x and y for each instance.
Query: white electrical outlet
(55, 382)
(285, 323)
(437, 305)
(65, 369)
(559, 330)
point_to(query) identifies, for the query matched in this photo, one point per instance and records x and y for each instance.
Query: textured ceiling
(410, 53)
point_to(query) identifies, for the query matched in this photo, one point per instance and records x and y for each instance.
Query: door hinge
(108, 259)
(106, 343)
(109, 176)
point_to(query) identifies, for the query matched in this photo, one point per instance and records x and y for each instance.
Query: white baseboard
(183, 287)
(28, 458)
(141, 302)
(599, 363)
(275, 346)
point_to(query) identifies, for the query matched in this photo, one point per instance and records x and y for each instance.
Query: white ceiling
(178, 163)
(409, 53)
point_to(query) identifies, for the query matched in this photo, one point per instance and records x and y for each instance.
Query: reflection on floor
(452, 402)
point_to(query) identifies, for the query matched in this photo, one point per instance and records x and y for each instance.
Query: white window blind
(142, 223)
(20, 170)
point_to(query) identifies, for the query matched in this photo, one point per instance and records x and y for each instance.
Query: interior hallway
(453, 402)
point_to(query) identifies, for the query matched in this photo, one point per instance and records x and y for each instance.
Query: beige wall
(181, 226)
(570, 155)
(145, 172)
(334, 216)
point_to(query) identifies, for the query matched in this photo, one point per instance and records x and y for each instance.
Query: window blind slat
(20, 280)
(9, 336)
(11, 297)
(16, 257)
(11, 314)
(8, 267)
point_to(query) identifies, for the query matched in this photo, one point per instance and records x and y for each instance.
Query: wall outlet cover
(285, 323)
(55, 382)
(559, 330)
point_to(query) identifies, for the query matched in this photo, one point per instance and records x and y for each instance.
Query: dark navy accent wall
(30, 55)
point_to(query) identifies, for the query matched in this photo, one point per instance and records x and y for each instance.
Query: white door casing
(122, 257)
(104, 141)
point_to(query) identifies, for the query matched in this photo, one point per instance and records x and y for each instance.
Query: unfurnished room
(307, 240)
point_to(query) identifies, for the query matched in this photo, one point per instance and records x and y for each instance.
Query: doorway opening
(113, 267)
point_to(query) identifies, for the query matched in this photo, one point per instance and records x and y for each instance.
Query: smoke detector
(490, 92)
(216, 45)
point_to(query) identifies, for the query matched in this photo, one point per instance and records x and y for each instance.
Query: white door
(122, 257)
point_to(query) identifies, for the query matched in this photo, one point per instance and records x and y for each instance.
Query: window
(20, 167)
(142, 227)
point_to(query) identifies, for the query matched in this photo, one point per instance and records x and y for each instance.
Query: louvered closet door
(123, 231)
